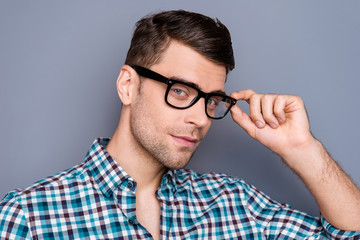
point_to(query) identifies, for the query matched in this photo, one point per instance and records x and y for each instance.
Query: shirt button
(131, 221)
(130, 185)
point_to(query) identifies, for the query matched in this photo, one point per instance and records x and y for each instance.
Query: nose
(196, 114)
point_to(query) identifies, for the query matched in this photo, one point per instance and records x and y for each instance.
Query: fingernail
(259, 124)
(273, 125)
(280, 119)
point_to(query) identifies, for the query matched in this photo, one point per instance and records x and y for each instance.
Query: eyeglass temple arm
(149, 74)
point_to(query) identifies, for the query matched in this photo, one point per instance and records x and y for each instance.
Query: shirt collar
(168, 180)
(104, 169)
(107, 172)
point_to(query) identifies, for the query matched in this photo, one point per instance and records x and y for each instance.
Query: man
(134, 185)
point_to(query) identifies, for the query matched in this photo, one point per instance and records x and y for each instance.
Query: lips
(186, 141)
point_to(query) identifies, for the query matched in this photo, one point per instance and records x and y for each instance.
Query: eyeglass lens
(182, 96)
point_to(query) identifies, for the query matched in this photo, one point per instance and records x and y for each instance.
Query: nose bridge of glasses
(198, 106)
(199, 94)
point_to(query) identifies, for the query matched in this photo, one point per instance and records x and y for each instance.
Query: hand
(279, 122)
(285, 130)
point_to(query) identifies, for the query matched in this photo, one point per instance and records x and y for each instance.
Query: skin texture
(152, 136)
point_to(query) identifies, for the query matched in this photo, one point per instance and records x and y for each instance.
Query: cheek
(153, 112)
(162, 114)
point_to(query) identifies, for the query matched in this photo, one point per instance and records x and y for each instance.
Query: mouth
(186, 141)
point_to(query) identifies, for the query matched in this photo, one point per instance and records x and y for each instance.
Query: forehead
(181, 61)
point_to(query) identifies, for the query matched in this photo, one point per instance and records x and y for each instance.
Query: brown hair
(153, 34)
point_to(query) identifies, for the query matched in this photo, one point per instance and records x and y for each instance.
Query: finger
(255, 110)
(243, 94)
(243, 120)
(267, 108)
(254, 101)
(279, 106)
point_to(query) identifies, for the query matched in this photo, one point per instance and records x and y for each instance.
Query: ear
(127, 84)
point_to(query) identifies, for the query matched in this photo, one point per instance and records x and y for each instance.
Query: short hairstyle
(153, 34)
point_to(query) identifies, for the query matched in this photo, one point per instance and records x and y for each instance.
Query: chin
(177, 164)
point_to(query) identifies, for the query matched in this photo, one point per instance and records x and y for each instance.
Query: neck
(137, 162)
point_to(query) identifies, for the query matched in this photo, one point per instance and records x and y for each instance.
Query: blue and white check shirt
(96, 200)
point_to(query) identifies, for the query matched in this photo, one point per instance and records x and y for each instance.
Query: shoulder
(220, 184)
(210, 183)
(209, 180)
(51, 185)
(184, 176)
(13, 222)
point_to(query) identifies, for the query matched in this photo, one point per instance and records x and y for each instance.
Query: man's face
(170, 135)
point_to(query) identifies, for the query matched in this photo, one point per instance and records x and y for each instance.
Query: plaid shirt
(96, 200)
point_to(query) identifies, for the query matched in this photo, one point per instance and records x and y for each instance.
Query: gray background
(59, 61)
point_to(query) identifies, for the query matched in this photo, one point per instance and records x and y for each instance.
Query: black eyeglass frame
(147, 73)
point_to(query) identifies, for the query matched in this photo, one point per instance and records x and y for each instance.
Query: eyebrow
(195, 85)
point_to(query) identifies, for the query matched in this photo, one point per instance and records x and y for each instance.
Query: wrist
(306, 157)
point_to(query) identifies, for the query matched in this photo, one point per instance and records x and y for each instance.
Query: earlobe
(126, 84)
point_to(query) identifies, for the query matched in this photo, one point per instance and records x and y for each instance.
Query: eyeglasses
(182, 95)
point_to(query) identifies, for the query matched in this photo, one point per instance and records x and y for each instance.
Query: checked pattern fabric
(96, 200)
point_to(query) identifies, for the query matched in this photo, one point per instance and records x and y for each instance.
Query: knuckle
(278, 111)
(257, 96)
(254, 97)
(255, 116)
(279, 98)
(250, 91)
(268, 117)
(299, 99)
(296, 99)
(268, 97)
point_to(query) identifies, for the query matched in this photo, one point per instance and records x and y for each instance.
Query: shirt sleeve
(13, 223)
(280, 221)
(335, 233)
(289, 223)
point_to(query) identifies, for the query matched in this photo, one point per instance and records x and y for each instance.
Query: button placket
(127, 200)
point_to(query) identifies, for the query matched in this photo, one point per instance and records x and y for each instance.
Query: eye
(210, 102)
(214, 101)
(179, 92)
